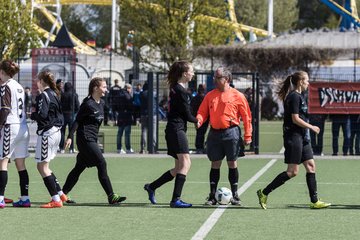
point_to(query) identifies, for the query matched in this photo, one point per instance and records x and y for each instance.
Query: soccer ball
(223, 196)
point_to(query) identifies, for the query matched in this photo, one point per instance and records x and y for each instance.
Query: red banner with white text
(334, 98)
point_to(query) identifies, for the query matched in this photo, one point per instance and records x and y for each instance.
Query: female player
(297, 145)
(181, 72)
(86, 125)
(49, 118)
(14, 132)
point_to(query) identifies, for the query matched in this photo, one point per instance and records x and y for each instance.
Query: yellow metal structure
(83, 48)
(80, 46)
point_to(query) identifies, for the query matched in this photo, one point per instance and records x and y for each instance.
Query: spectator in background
(114, 95)
(70, 106)
(28, 100)
(343, 121)
(144, 118)
(163, 107)
(201, 131)
(107, 108)
(355, 134)
(136, 103)
(60, 85)
(317, 139)
(124, 120)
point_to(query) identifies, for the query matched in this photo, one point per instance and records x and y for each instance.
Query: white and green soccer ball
(223, 196)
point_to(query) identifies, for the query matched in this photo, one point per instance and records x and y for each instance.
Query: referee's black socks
(233, 179)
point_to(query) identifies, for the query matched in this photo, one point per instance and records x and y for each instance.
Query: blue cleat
(180, 204)
(151, 193)
(22, 203)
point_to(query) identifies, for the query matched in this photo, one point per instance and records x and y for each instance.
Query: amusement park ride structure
(81, 47)
(348, 13)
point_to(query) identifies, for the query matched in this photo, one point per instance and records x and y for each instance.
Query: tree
(164, 26)
(255, 13)
(17, 34)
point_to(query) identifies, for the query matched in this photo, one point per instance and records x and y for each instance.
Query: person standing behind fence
(144, 118)
(70, 106)
(317, 139)
(355, 134)
(49, 118)
(114, 99)
(343, 121)
(136, 103)
(224, 106)
(124, 120)
(14, 132)
(297, 146)
(201, 131)
(180, 73)
(86, 125)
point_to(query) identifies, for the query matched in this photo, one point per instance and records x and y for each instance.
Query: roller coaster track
(351, 16)
(83, 48)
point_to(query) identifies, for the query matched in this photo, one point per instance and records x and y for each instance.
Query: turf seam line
(215, 216)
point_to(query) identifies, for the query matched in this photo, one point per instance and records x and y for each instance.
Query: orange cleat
(64, 198)
(52, 204)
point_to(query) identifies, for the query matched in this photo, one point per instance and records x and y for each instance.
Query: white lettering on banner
(333, 95)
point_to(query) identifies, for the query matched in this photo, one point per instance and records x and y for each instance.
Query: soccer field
(287, 217)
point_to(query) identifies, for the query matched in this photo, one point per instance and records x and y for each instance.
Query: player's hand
(67, 143)
(315, 129)
(247, 142)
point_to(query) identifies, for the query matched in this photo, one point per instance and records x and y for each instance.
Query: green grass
(287, 217)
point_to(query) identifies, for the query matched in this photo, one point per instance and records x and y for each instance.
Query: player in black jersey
(86, 125)
(180, 73)
(297, 144)
(49, 118)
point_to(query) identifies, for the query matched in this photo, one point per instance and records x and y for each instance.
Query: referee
(225, 106)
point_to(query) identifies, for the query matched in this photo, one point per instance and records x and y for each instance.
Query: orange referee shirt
(225, 110)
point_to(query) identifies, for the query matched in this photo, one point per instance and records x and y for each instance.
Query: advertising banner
(334, 98)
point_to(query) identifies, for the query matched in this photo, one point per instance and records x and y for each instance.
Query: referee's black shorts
(224, 143)
(176, 142)
(89, 153)
(297, 149)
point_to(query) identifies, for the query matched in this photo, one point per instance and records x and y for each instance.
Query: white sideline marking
(214, 217)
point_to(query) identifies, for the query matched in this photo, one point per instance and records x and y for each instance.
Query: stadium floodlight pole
(270, 18)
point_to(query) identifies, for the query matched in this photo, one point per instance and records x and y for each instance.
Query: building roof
(323, 38)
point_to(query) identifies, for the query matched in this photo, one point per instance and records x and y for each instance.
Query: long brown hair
(176, 71)
(9, 67)
(95, 82)
(294, 79)
(49, 79)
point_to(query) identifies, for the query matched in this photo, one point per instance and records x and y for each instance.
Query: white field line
(215, 216)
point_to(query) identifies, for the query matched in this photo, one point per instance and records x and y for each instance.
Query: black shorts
(89, 153)
(297, 150)
(221, 143)
(176, 142)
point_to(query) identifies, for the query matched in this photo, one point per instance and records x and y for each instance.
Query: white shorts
(47, 145)
(14, 141)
